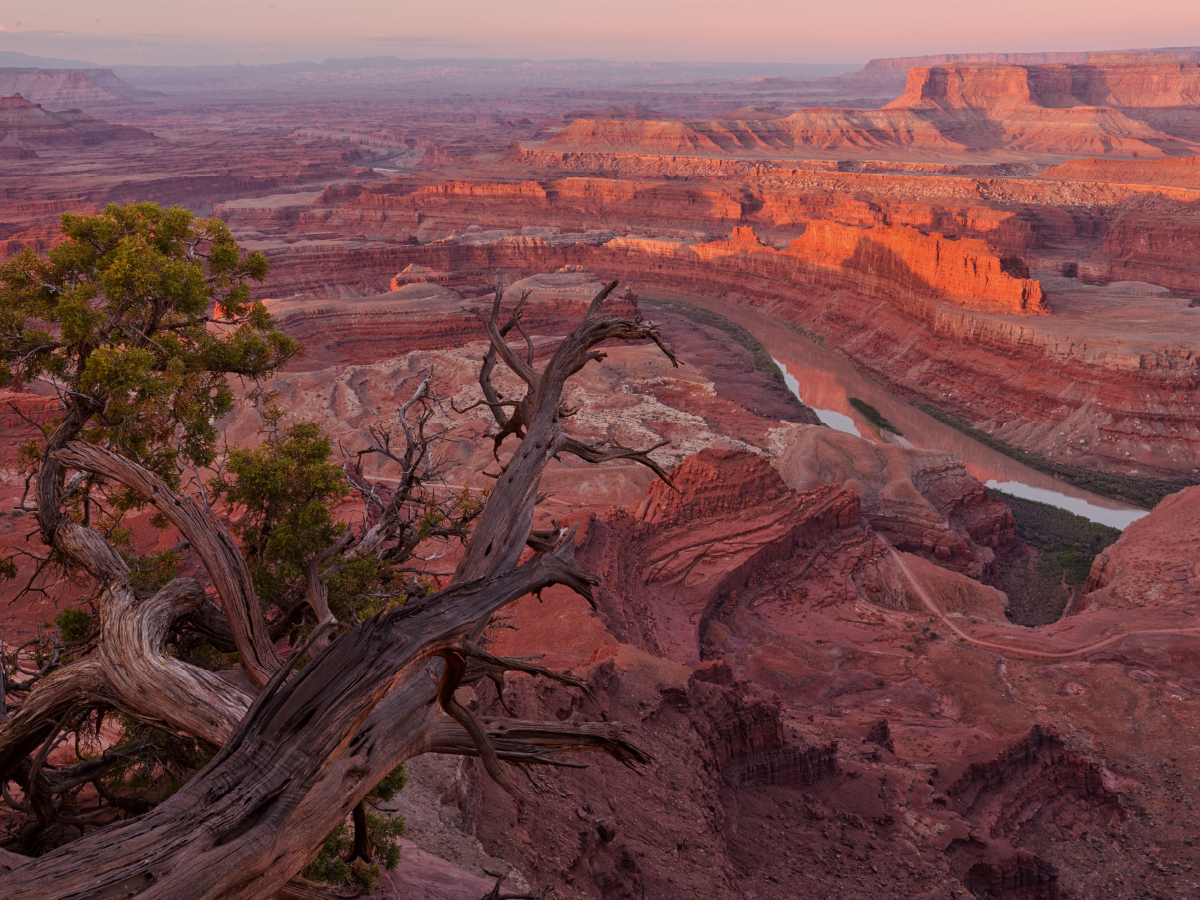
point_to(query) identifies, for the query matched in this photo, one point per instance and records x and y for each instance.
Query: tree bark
(214, 545)
(302, 753)
(239, 829)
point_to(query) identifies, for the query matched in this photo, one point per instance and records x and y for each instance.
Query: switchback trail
(1008, 650)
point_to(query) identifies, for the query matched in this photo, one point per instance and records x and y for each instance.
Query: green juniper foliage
(74, 624)
(333, 864)
(142, 320)
(331, 867)
(140, 314)
(284, 495)
(138, 319)
(284, 492)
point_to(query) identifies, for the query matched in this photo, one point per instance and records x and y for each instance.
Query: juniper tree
(142, 322)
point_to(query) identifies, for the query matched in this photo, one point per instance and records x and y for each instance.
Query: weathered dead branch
(301, 752)
(211, 541)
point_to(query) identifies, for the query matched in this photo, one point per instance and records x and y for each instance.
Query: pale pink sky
(165, 31)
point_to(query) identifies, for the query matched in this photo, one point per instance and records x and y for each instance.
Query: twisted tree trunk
(301, 751)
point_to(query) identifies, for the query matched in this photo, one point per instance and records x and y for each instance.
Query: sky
(172, 32)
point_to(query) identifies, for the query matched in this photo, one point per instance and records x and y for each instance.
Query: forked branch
(211, 541)
(609, 450)
(505, 524)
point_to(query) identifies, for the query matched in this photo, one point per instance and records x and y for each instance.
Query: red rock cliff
(965, 270)
(1116, 81)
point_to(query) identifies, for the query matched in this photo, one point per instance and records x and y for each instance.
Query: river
(825, 381)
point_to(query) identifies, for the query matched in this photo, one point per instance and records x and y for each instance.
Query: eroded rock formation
(71, 88)
(25, 125)
(954, 110)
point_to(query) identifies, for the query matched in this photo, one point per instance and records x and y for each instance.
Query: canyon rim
(461, 478)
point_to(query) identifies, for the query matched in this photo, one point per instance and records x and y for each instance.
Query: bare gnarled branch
(211, 541)
(505, 524)
(529, 742)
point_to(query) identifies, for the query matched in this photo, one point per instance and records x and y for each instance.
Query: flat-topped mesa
(1182, 172)
(964, 271)
(609, 135)
(62, 88)
(1119, 81)
(16, 101)
(954, 86)
(891, 71)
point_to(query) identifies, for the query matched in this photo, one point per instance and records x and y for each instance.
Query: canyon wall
(26, 125)
(1113, 81)
(966, 272)
(949, 111)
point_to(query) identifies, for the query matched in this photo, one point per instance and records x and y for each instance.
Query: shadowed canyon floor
(813, 635)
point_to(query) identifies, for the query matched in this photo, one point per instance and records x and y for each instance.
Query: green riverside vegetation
(1066, 545)
(1141, 491)
(743, 338)
(874, 416)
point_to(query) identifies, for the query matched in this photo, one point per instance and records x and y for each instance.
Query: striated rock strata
(26, 125)
(952, 110)
(70, 88)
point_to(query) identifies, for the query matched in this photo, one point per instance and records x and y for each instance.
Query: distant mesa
(26, 127)
(1115, 105)
(13, 59)
(71, 88)
(636, 111)
(891, 73)
(1119, 81)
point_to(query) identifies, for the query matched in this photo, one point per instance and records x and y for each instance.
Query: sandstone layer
(1115, 81)
(70, 88)
(951, 110)
(25, 125)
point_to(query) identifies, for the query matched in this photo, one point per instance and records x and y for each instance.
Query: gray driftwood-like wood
(301, 748)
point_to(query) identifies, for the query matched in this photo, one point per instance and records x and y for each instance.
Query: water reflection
(1115, 518)
(825, 381)
(835, 420)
